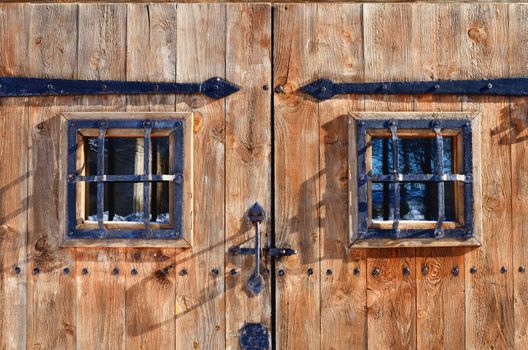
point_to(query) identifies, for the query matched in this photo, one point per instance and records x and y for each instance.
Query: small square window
(127, 179)
(414, 180)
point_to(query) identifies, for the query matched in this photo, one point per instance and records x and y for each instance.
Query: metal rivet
(137, 255)
(455, 271)
(281, 272)
(522, 269)
(356, 271)
(165, 271)
(84, 271)
(40, 126)
(183, 272)
(504, 269)
(70, 233)
(103, 124)
(265, 271)
(71, 177)
(178, 178)
(376, 271)
(393, 123)
(329, 272)
(104, 87)
(406, 271)
(323, 88)
(156, 87)
(473, 269)
(18, 270)
(66, 270)
(233, 272)
(489, 86)
(384, 86)
(115, 271)
(309, 271)
(147, 124)
(50, 87)
(36, 271)
(437, 86)
(265, 87)
(425, 270)
(279, 89)
(134, 272)
(215, 272)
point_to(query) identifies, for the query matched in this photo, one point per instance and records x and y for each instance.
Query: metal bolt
(70, 233)
(455, 271)
(156, 87)
(489, 86)
(215, 272)
(473, 269)
(361, 123)
(356, 271)
(40, 126)
(323, 88)
(406, 271)
(522, 269)
(279, 89)
(437, 86)
(71, 177)
(265, 87)
(36, 271)
(103, 124)
(376, 271)
(183, 272)
(504, 269)
(134, 272)
(18, 270)
(84, 271)
(233, 272)
(309, 271)
(66, 270)
(147, 124)
(281, 272)
(329, 272)
(436, 124)
(178, 178)
(50, 87)
(165, 271)
(104, 87)
(115, 271)
(384, 86)
(425, 270)
(265, 271)
(393, 123)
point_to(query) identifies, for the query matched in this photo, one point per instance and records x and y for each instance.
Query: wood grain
(200, 297)
(518, 65)
(13, 182)
(151, 55)
(101, 291)
(297, 178)
(343, 298)
(248, 160)
(440, 321)
(51, 293)
(391, 296)
(489, 293)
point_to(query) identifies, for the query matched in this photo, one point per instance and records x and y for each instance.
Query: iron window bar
(176, 178)
(396, 178)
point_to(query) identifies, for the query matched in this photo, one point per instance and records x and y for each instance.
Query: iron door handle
(255, 283)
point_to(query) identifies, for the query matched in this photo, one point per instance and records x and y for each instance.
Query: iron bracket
(20, 86)
(324, 89)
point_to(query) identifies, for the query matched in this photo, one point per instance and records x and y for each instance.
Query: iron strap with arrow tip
(324, 89)
(19, 86)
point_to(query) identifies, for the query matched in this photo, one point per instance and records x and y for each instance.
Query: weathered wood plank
(101, 291)
(13, 181)
(391, 296)
(343, 297)
(489, 293)
(200, 297)
(51, 293)
(248, 159)
(296, 178)
(151, 56)
(440, 319)
(518, 65)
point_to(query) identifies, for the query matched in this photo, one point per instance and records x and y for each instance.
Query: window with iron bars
(414, 179)
(125, 179)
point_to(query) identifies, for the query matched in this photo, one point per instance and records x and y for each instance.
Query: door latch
(255, 283)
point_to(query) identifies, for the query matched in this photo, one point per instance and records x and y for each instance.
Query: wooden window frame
(75, 127)
(357, 237)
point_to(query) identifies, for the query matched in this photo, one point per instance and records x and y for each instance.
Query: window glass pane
(123, 201)
(419, 201)
(416, 155)
(382, 201)
(126, 155)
